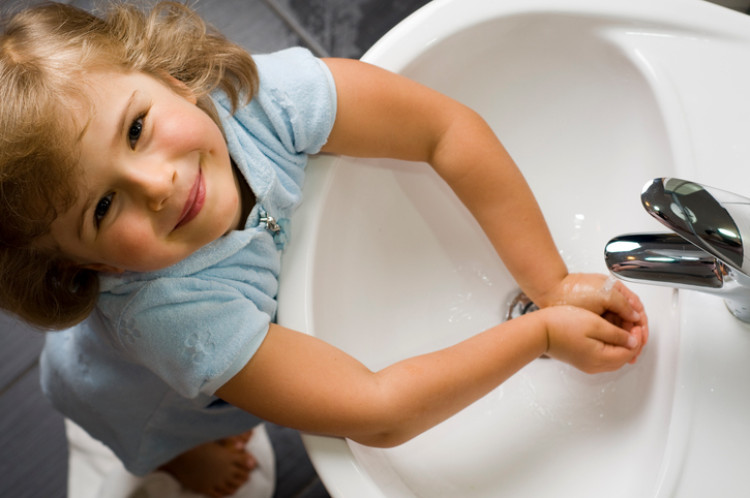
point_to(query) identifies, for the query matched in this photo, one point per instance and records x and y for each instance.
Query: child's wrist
(540, 326)
(552, 294)
(547, 330)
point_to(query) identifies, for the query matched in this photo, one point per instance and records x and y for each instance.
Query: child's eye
(135, 130)
(101, 209)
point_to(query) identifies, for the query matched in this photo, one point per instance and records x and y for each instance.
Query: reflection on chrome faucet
(705, 252)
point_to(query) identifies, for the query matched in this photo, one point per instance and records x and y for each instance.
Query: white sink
(592, 99)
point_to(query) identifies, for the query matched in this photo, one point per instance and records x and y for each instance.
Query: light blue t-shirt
(140, 373)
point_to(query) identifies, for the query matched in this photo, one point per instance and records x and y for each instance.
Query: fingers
(642, 337)
(591, 343)
(624, 345)
(607, 358)
(622, 301)
(616, 336)
(637, 305)
(640, 332)
(626, 304)
(612, 347)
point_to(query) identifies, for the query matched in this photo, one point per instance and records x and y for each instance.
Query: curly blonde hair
(45, 52)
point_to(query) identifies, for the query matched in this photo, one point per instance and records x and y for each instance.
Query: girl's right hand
(589, 342)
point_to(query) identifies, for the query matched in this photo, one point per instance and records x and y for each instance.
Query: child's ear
(102, 268)
(180, 87)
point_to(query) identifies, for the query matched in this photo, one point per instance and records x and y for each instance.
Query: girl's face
(157, 182)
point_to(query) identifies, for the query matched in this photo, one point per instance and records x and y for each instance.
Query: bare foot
(216, 469)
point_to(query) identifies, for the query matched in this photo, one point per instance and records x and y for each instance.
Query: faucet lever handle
(713, 220)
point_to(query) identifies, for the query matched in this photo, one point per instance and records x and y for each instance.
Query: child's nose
(155, 185)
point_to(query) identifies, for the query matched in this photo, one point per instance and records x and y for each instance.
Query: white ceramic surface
(592, 99)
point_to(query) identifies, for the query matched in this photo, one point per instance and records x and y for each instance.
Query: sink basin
(592, 99)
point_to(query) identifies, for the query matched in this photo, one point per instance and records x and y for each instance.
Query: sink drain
(520, 305)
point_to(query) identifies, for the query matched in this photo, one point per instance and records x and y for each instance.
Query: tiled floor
(33, 449)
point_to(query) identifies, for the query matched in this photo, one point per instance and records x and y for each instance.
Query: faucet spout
(705, 252)
(663, 259)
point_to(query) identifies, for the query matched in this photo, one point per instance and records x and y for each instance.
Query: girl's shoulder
(296, 97)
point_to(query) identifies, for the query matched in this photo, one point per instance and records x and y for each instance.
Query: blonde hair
(45, 51)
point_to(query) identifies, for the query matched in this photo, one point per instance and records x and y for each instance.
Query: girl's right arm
(302, 382)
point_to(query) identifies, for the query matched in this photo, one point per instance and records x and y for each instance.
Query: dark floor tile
(33, 448)
(380, 16)
(14, 5)
(249, 23)
(295, 475)
(19, 349)
(347, 28)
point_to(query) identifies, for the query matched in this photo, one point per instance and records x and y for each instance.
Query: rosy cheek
(182, 130)
(131, 248)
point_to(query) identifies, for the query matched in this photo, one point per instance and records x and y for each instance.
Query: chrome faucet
(706, 252)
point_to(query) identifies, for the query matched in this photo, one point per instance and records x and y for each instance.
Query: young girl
(147, 170)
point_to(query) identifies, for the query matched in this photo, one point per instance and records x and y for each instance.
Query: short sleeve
(299, 96)
(195, 335)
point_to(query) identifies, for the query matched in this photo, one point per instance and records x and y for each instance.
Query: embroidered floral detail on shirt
(83, 364)
(199, 344)
(130, 335)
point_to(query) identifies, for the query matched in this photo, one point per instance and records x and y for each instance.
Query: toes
(227, 489)
(248, 463)
(215, 493)
(239, 441)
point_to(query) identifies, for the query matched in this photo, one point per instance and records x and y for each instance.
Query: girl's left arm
(381, 114)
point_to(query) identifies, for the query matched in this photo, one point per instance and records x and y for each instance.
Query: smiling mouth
(194, 202)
